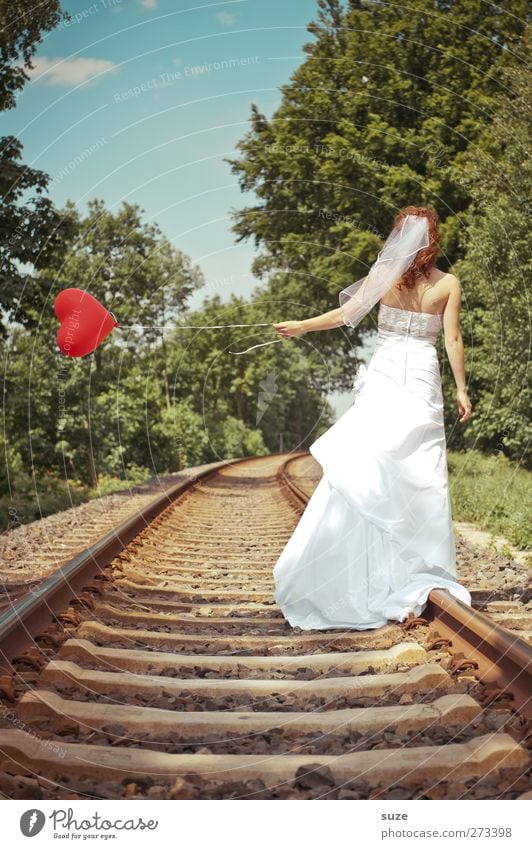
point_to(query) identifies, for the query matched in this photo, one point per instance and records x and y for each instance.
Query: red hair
(424, 258)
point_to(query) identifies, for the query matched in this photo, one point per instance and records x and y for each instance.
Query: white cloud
(68, 72)
(148, 4)
(226, 19)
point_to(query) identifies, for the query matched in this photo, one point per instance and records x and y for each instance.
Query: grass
(51, 494)
(492, 493)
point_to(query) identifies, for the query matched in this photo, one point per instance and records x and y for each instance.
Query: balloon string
(206, 327)
(192, 326)
(260, 345)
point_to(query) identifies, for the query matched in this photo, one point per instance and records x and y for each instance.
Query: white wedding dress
(377, 535)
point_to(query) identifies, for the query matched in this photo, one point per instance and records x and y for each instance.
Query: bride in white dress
(377, 536)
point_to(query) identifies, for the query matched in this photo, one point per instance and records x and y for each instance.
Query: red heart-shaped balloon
(85, 323)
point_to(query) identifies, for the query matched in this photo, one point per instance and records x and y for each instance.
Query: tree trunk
(91, 465)
(165, 376)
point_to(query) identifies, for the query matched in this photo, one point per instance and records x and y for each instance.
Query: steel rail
(34, 611)
(301, 497)
(504, 659)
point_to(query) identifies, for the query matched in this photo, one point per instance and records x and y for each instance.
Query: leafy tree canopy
(29, 225)
(387, 100)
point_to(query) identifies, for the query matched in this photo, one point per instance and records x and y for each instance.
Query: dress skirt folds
(377, 534)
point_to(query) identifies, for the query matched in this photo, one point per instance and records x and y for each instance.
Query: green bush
(33, 500)
(107, 484)
(52, 494)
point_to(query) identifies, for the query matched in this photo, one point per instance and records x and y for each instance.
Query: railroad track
(156, 665)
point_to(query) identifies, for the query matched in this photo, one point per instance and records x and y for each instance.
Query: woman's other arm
(325, 321)
(454, 346)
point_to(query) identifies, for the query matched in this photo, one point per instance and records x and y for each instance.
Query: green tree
(273, 390)
(388, 97)
(494, 272)
(29, 224)
(155, 395)
(22, 24)
(90, 415)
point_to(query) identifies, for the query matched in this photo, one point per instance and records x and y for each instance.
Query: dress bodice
(393, 321)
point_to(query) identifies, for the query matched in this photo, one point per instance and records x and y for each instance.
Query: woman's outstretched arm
(454, 346)
(325, 321)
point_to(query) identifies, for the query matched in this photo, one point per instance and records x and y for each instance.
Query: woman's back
(428, 295)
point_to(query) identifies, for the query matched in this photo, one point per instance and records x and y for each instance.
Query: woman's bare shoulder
(444, 276)
(446, 282)
(449, 291)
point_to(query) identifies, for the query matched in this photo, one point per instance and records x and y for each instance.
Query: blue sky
(129, 101)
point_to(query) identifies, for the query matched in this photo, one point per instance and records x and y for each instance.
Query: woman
(377, 535)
